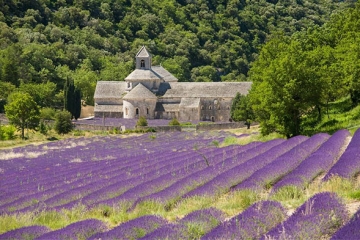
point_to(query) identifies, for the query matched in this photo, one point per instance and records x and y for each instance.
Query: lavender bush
(220, 160)
(224, 181)
(251, 223)
(168, 231)
(79, 171)
(349, 163)
(351, 230)
(132, 229)
(271, 173)
(25, 233)
(318, 217)
(318, 162)
(78, 230)
(192, 226)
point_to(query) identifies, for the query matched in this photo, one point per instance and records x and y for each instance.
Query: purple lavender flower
(318, 217)
(132, 229)
(351, 230)
(349, 163)
(78, 230)
(318, 162)
(220, 160)
(284, 164)
(251, 223)
(202, 220)
(168, 231)
(30, 232)
(224, 181)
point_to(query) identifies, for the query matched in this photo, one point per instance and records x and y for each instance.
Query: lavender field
(182, 185)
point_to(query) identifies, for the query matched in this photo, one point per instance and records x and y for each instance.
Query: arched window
(142, 63)
(137, 111)
(212, 118)
(147, 110)
(126, 111)
(219, 107)
(210, 107)
(202, 107)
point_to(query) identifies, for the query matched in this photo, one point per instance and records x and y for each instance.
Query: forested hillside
(45, 42)
(296, 78)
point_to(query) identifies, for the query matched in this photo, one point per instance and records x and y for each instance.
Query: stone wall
(163, 128)
(215, 109)
(89, 127)
(221, 126)
(135, 109)
(108, 114)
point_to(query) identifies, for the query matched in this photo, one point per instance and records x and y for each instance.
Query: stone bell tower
(143, 59)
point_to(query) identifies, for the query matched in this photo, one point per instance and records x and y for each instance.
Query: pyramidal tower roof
(140, 92)
(143, 52)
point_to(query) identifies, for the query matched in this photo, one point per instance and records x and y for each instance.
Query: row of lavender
(299, 159)
(54, 179)
(321, 216)
(174, 170)
(252, 166)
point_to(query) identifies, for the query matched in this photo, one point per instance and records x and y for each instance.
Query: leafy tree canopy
(241, 109)
(22, 111)
(296, 76)
(45, 42)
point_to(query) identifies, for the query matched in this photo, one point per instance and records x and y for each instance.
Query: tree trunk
(23, 132)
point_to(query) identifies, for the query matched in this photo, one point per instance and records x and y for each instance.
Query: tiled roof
(140, 92)
(206, 89)
(143, 52)
(108, 108)
(190, 102)
(109, 89)
(143, 74)
(165, 74)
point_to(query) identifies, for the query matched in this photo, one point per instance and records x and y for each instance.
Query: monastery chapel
(153, 92)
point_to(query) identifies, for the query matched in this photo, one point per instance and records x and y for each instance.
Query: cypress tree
(77, 103)
(72, 99)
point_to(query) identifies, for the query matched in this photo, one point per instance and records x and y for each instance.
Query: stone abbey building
(153, 92)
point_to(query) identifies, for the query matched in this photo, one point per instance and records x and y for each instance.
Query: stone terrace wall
(90, 127)
(221, 126)
(163, 128)
(207, 127)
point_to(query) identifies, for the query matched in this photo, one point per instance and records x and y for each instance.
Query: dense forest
(296, 77)
(45, 42)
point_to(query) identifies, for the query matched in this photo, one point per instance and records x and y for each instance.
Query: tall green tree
(68, 94)
(286, 86)
(77, 103)
(22, 111)
(241, 109)
(72, 99)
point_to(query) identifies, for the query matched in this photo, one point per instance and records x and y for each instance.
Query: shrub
(7, 132)
(142, 122)
(174, 122)
(43, 129)
(63, 122)
(47, 113)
